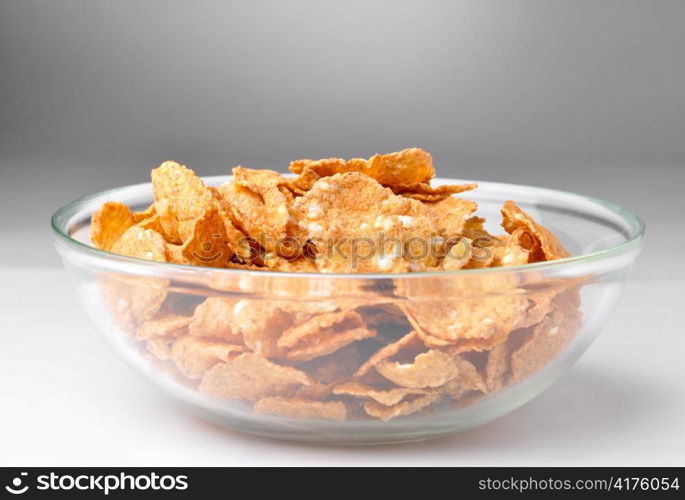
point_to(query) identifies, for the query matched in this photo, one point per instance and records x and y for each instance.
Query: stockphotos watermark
(353, 249)
(104, 483)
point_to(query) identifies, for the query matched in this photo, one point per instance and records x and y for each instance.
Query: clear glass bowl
(567, 303)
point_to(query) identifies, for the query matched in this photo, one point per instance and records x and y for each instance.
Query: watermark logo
(16, 487)
(356, 250)
(100, 483)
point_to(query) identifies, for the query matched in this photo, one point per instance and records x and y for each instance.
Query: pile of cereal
(413, 349)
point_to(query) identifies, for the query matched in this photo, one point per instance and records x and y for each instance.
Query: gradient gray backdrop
(584, 95)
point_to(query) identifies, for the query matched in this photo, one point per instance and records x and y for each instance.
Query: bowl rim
(61, 217)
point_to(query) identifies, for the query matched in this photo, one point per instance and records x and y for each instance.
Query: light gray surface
(585, 96)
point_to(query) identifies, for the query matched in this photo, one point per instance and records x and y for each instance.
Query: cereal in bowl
(396, 350)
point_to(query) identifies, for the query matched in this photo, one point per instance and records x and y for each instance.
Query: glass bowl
(183, 327)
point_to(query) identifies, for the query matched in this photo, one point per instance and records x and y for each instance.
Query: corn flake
(261, 323)
(429, 369)
(161, 326)
(322, 324)
(497, 366)
(406, 407)
(340, 214)
(410, 345)
(131, 300)
(514, 250)
(109, 223)
(334, 367)
(469, 308)
(252, 377)
(144, 214)
(142, 244)
(317, 390)
(214, 319)
(159, 348)
(193, 356)
(468, 375)
(387, 397)
(430, 194)
(180, 198)
(547, 339)
(260, 200)
(482, 245)
(327, 343)
(408, 167)
(514, 218)
(454, 389)
(449, 216)
(302, 408)
(206, 241)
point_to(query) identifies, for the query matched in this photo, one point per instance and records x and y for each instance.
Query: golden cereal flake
(252, 377)
(474, 344)
(514, 250)
(317, 390)
(454, 389)
(468, 375)
(153, 222)
(407, 407)
(175, 255)
(261, 322)
(425, 192)
(252, 217)
(240, 243)
(321, 324)
(302, 183)
(193, 356)
(383, 314)
(142, 244)
(161, 326)
(357, 225)
(547, 339)
(448, 216)
(335, 366)
(407, 167)
(144, 214)
(409, 343)
(539, 305)
(327, 343)
(180, 198)
(302, 408)
(265, 183)
(298, 265)
(387, 397)
(465, 307)
(261, 204)
(159, 348)
(513, 218)
(214, 318)
(109, 223)
(482, 245)
(497, 366)
(131, 300)
(429, 369)
(206, 242)
(457, 256)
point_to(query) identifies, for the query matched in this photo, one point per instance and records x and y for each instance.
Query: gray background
(585, 95)
(579, 95)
